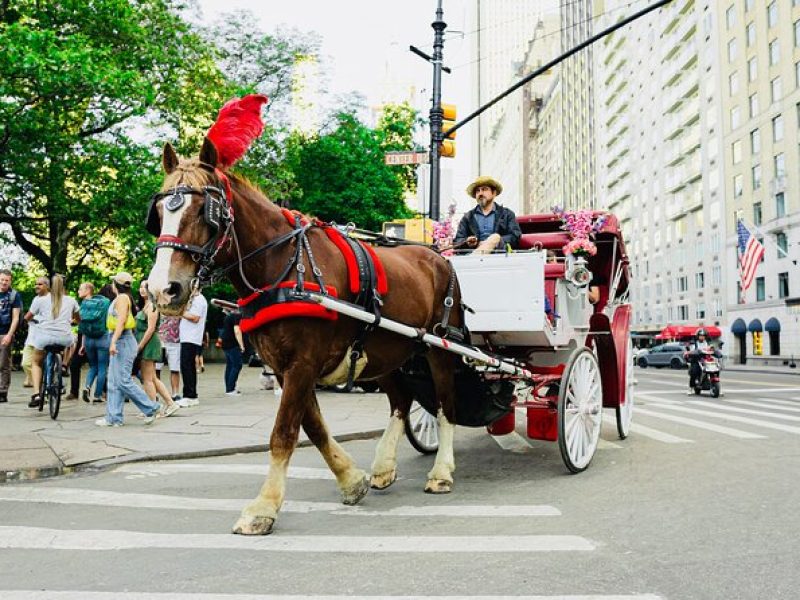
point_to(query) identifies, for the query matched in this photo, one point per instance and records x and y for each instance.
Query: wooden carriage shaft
(410, 332)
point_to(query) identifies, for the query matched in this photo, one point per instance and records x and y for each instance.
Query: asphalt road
(699, 502)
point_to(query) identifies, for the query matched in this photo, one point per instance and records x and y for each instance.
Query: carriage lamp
(578, 272)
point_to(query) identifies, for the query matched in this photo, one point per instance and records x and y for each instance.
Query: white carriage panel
(573, 306)
(506, 291)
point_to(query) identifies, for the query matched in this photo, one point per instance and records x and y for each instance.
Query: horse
(207, 217)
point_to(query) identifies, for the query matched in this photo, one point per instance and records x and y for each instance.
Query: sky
(365, 45)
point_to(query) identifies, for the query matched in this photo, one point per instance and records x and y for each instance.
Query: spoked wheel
(422, 429)
(625, 412)
(54, 386)
(580, 410)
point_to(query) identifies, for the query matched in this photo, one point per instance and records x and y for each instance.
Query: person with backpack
(96, 339)
(10, 310)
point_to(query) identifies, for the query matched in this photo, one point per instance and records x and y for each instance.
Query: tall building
(577, 104)
(504, 32)
(759, 53)
(659, 163)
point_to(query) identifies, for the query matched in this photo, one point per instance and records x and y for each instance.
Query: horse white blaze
(445, 462)
(159, 278)
(386, 453)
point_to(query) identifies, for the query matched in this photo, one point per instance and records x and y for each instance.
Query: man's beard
(484, 202)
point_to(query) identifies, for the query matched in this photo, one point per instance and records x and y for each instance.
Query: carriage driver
(489, 225)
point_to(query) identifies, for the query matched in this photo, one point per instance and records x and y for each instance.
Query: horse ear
(169, 159)
(208, 153)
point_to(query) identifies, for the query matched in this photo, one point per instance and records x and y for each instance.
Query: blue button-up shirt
(485, 223)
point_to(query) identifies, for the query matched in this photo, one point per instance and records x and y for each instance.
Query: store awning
(675, 332)
(772, 325)
(755, 325)
(739, 327)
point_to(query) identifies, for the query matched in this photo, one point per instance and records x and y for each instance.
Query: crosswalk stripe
(164, 468)
(783, 402)
(761, 390)
(59, 495)
(660, 436)
(40, 538)
(84, 595)
(747, 411)
(787, 406)
(737, 433)
(728, 417)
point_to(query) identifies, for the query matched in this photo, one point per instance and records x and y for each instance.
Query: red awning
(675, 332)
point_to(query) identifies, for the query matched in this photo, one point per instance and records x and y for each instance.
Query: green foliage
(397, 125)
(343, 178)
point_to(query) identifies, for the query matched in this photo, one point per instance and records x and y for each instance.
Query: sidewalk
(766, 369)
(32, 445)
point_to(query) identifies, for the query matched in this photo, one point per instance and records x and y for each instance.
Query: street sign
(405, 158)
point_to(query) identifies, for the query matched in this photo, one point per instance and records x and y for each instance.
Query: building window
(760, 289)
(738, 186)
(797, 74)
(736, 151)
(783, 285)
(683, 283)
(782, 242)
(732, 50)
(780, 165)
(797, 34)
(774, 53)
(700, 280)
(716, 275)
(756, 213)
(753, 105)
(750, 32)
(733, 83)
(752, 69)
(700, 311)
(756, 171)
(772, 14)
(780, 205)
(683, 312)
(717, 307)
(735, 117)
(777, 128)
(730, 17)
(774, 343)
(776, 90)
(755, 141)
(748, 5)
(715, 243)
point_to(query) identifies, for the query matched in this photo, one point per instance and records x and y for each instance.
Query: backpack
(6, 310)
(93, 317)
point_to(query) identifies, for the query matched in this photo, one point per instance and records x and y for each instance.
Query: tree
(397, 124)
(78, 80)
(343, 178)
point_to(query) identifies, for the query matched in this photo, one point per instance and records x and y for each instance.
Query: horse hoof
(354, 494)
(253, 525)
(438, 486)
(383, 481)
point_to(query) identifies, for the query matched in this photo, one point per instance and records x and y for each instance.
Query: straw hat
(484, 180)
(123, 278)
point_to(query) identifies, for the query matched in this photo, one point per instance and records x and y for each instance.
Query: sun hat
(484, 180)
(123, 278)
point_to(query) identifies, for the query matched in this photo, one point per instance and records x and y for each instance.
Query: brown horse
(302, 350)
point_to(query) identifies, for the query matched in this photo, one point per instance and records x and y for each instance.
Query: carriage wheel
(580, 410)
(422, 429)
(625, 412)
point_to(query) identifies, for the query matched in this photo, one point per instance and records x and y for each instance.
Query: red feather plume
(238, 124)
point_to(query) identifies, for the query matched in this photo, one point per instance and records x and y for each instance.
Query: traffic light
(758, 343)
(448, 147)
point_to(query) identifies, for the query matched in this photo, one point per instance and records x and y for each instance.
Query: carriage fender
(600, 336)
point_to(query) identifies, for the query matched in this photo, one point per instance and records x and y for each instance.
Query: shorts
(173, 352)
(43, 339)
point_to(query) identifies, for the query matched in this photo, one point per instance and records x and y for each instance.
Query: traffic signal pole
(436, 114)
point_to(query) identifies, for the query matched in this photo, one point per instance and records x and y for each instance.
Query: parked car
(665, 355)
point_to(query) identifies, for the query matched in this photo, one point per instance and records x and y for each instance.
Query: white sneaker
(104, 423)
(233, 393)
(155, 415)
(171, 409)
(187, 402)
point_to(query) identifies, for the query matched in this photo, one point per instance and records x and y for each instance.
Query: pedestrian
(41, 288)
(122, 351)
(232, 345)
(192, 326)
(54, 314)
(95, 340)
(76, 362)
(170, 334)
(149, 351)
(10, 311)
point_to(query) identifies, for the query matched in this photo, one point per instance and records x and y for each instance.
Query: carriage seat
(547, 241)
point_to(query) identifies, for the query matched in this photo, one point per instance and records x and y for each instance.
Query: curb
(33, 474)
(764, 371)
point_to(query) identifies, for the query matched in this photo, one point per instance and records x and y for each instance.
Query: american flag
(750, 253)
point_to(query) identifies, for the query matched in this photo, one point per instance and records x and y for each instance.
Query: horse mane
(238, 125)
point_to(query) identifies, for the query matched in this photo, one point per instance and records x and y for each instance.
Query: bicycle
(52, 383)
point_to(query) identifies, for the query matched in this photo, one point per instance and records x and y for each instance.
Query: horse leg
(440, 477)
(351, 480)
(258, 517)
(384, 467)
